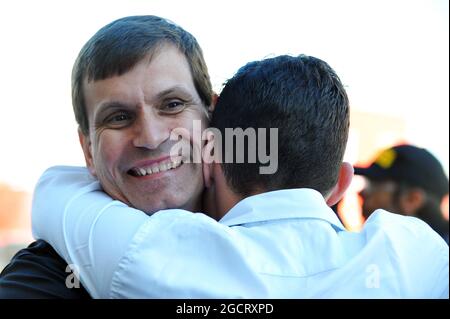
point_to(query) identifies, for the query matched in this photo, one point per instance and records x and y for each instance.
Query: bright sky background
(393, 56)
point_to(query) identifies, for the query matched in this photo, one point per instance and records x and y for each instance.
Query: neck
(224, 197)
(221, 196)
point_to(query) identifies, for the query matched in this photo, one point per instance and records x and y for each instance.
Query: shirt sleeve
(87, 228)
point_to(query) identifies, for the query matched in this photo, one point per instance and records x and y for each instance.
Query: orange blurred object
(15, 221)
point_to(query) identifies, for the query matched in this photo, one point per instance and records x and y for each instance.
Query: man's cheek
(104, 162)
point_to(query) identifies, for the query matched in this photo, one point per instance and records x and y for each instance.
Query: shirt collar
(281, 204)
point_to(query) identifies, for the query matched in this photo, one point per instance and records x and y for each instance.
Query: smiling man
(131, 118)
(133, 82)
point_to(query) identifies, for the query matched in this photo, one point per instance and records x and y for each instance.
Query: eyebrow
(174, 89)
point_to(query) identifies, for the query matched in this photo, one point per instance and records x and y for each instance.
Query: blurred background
(392, 56)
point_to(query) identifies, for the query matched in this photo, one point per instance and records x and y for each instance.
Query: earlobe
(208, 159)
(85, 143)
(344, 180)
(213, 102)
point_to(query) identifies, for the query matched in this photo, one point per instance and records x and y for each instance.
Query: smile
(156, 167)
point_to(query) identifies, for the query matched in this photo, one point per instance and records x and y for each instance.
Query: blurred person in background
(407, 180)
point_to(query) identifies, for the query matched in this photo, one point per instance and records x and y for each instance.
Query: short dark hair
(119, 46)
(304, 98)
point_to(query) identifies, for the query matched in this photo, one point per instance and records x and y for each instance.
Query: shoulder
(168, 232)
(179, 223)
(418, 255)
(37, 272)
(171, 244)
(183, 221)
(405, 229)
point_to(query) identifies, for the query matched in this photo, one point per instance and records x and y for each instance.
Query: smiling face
(131, 118)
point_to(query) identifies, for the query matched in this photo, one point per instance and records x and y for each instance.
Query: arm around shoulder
(86, 227)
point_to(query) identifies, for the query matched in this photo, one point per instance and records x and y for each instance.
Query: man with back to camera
(276, 236)
(41, 290)
(407, 180)
(124, 61)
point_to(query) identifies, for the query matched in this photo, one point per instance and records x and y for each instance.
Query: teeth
(155, 169)
(161, 167)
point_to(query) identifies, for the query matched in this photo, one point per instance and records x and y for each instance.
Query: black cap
(409, 164)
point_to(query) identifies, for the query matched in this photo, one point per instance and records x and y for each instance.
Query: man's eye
(174, 106)
(119, 118)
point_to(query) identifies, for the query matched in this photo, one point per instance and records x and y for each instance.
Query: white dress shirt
(281, 244)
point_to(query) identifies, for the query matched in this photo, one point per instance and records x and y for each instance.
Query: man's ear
(208, 159)
(411, 200)
(85, 143)
(213, 103)
(344, 180)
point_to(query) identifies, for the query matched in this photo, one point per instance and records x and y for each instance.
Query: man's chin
(149, 208)
(152, 207)
(173, 189)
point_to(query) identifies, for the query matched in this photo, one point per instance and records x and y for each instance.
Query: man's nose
(150, 131)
